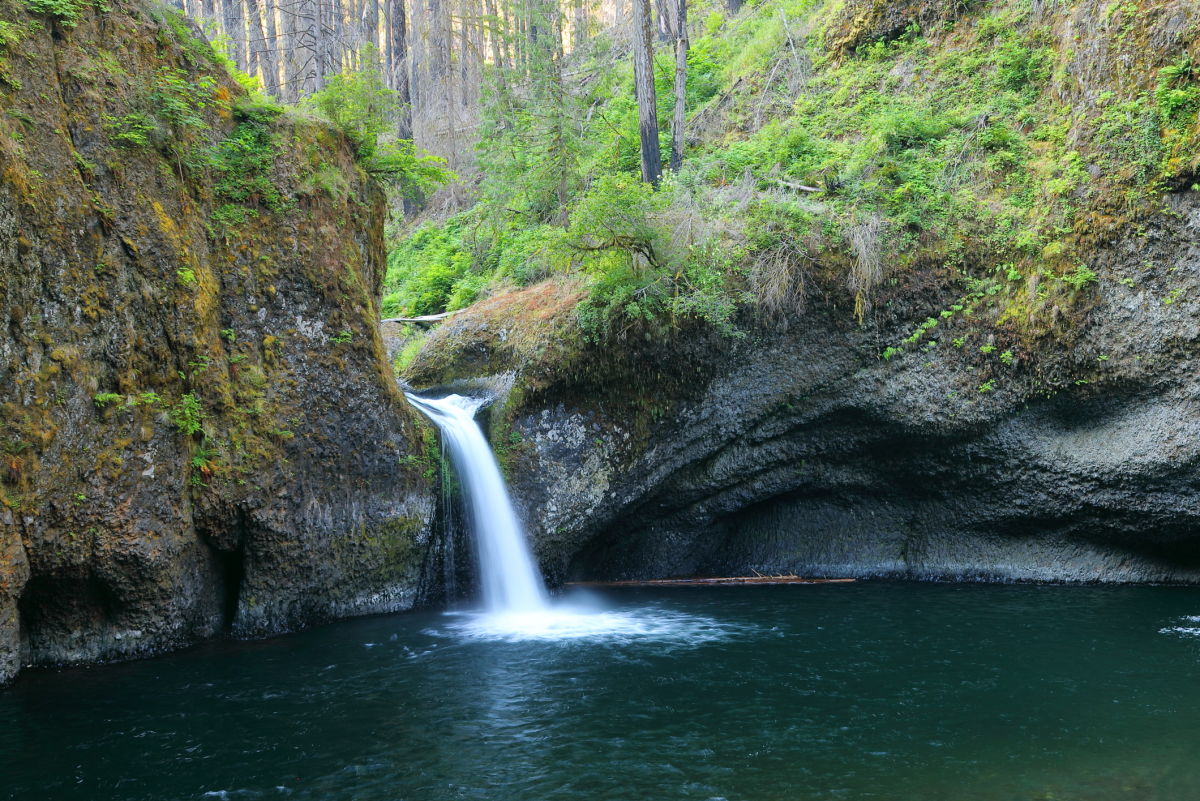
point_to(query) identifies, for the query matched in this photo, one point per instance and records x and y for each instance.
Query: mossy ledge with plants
(920, 302)
(198, 430)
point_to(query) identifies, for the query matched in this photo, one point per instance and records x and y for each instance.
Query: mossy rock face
(863, 22)
(196, 406)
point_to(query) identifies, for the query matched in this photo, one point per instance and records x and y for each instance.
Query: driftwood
(726, 581)
(797, 187)
(428, 319)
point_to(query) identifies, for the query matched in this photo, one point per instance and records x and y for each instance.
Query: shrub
(187, 414)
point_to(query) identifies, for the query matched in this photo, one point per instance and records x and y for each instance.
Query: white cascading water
(510, 579)
(517, 605)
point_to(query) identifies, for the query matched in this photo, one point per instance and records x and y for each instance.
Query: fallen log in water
(707, 582)
(426, 319)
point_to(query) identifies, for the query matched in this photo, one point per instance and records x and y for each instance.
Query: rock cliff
(800, 449)
(198, 429)
(973, 423)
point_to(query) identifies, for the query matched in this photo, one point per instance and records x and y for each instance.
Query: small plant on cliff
(65, 11)
(243, 162)
(187, 414)
(131, 130)
(1080, 277)
(104, 399)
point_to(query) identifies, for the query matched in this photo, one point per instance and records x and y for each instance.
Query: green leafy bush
(65, 11)
(187, 415)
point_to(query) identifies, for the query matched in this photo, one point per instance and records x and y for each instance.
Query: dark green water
(869, 691)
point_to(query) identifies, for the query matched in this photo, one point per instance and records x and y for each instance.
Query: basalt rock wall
(798, 448)
(199, 432)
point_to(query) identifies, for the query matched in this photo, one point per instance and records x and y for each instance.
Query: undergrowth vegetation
(969, 149)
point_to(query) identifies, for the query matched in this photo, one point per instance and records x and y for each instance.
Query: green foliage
(1080, 277)
(941, 147)
(360, 105)
(103, 399)
(425, 267)
(398, 163)
(1178, 93)
(187, 414)
(65, 11)
(11, 33)
(243, 163)
(132, 130)
(179, 98)
(412, 346)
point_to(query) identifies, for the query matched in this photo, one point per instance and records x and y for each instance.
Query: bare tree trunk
(328, 29)
(665, 19)
(579, 25)
(262, 62)
(398, 66)
(681, 51)
(495, 34)
(234, 20)
(271, 50)
(438, 52)
(643, 79)
(370, 21)
(302, 49)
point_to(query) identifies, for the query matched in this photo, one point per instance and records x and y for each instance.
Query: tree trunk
(261, 58)
(665, 19)
(495, 34)
(370, 22)
(681, 51)
(398, 66)
(302, 38)
(235, 29)
(270, 55)
(734, 6)
(643, 79)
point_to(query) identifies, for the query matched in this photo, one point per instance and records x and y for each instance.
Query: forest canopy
(711, 161)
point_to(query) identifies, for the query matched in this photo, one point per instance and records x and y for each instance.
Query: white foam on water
(517, 606)
(569, 624)
(1183, 631)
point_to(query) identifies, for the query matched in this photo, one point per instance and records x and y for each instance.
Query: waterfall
(511, 582)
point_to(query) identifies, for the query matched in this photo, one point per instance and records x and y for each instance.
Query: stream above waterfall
(859, 691)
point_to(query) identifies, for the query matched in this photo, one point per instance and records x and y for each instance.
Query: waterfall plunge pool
(906, 692)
